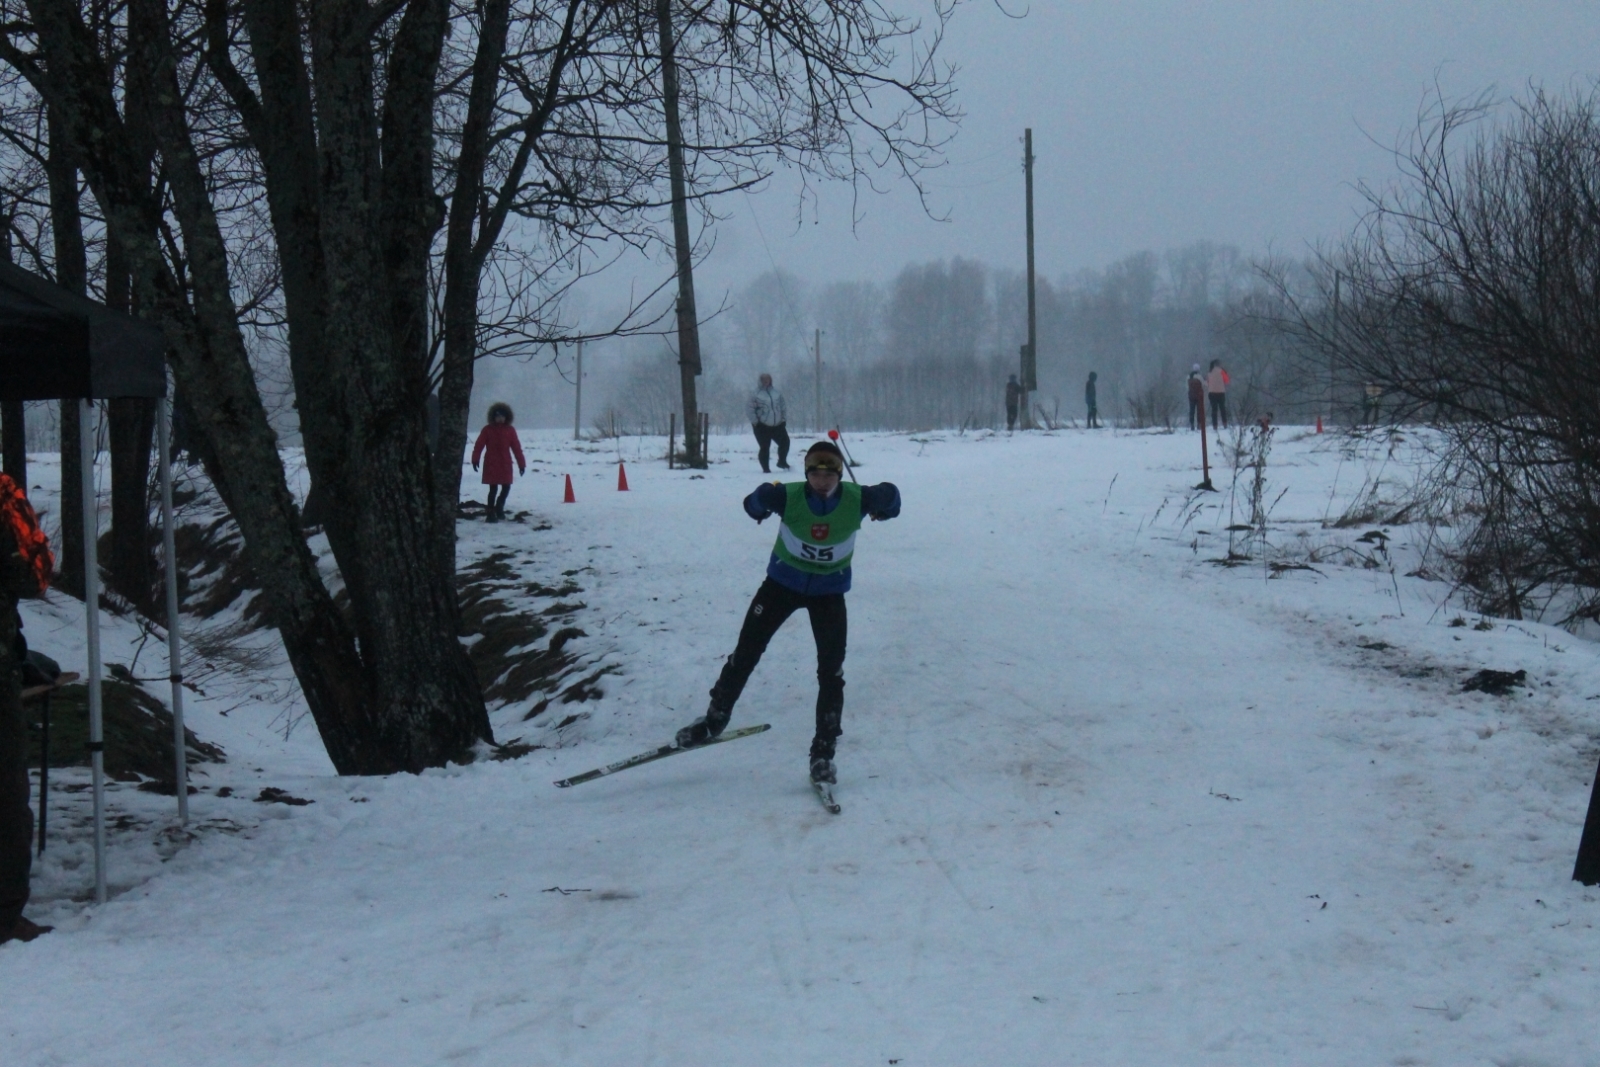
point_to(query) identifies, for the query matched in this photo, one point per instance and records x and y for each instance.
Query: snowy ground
(1105, 802)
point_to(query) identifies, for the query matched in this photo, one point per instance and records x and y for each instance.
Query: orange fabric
(17, 516)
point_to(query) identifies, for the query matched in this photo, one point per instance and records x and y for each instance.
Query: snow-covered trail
(1102, 804)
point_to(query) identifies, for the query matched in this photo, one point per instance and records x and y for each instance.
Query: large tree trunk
(72, 272)
(683, 247)
(379, 214)
(354, 220)
(464, 254)
(209, 359)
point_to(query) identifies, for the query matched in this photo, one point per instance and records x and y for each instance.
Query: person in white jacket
(768, 419)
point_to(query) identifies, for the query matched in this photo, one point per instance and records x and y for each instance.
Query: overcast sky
(1160, 123)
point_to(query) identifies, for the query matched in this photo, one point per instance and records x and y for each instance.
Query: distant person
(769, 420)
(497, 443)
(1371, 402)
(1197, 394)
(1217, 394)
(1089, 401)
(1013, 398)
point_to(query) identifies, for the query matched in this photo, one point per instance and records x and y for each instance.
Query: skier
(1013, 399)
(496, 444)
(769, 422)
(809, 568)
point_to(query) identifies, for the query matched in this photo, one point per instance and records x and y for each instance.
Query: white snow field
(1105, 802)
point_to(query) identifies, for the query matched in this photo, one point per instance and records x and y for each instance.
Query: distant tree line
(933, 346)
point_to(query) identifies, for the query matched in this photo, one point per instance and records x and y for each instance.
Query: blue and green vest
(818, 544)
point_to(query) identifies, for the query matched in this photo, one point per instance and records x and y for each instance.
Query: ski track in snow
(1104, 803)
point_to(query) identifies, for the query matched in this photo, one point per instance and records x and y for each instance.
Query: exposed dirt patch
(137, 728)
(506, 654)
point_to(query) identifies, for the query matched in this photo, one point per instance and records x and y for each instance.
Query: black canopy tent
(57, 345)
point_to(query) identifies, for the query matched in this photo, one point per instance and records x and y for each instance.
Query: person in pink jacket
(497, 443)
(1217, 381)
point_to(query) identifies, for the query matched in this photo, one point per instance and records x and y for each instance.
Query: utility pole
(818, 343)
(1333, 371)
(1030, 352)
(577, 407)
(688, 322)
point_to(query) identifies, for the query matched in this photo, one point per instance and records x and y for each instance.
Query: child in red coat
(497, 443)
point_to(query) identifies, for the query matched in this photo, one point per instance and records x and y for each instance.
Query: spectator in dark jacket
(1013, 399)
(1089, 401)
(497, 443)
(1197, 393)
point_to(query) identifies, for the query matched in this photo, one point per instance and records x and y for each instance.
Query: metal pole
(91, 611)
(1333, 372)
(577, 409)
(1030, 366)
(169, 555)
(819, 380)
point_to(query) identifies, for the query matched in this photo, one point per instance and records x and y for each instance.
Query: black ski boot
(703, 729)
(822, 770)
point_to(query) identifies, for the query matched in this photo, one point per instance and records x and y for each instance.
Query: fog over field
(1159, 128)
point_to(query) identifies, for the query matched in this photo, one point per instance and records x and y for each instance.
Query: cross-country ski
(824, 792)
(659, 753)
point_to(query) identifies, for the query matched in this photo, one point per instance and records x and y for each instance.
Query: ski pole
(833, 435)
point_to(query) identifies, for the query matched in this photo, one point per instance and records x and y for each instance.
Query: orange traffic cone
(569, 498)
(1319, 423)
(622, 477)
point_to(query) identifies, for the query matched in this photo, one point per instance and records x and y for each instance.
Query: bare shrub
(1467, 293)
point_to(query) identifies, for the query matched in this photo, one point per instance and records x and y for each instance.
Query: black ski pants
(1219, 410)
(770, 609)
(765, 436)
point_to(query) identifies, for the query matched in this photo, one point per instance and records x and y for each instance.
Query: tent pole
(91, 611)
(174, 659)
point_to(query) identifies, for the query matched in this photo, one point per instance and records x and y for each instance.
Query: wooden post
(577, 407)
(688, 322)
(1205, 458)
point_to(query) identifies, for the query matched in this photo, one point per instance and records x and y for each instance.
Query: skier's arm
(881, 501)
(767, 499)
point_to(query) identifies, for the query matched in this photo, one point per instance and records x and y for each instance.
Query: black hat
(826, 456)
